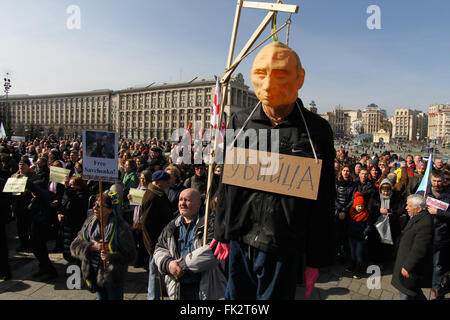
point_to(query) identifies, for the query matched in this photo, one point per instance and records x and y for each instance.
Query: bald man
(190, 269)
(265, 234)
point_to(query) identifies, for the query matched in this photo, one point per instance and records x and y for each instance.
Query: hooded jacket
(396, 207)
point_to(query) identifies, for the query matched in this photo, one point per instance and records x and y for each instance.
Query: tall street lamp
(7, 86)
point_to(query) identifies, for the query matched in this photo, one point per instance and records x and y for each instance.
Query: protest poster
(15, 185)
(283, 174)
(58, 174)
(100, 156)
(437, 204)
(17, 138)
(136, 196)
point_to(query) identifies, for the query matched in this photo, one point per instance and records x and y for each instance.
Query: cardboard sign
(437, 204)
(58, 174)
(136, 196)
(272, 172)
(100, 156)
(15, 185)
(17, 138)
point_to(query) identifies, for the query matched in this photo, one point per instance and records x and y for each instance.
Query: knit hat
(358, 200)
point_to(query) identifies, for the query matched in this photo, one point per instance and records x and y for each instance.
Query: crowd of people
(372, 196)
(105, 232)
(70, 214)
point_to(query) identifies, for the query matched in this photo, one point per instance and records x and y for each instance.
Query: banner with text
(100, 156)
(278, 173)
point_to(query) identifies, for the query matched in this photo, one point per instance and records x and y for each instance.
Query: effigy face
(276, 77)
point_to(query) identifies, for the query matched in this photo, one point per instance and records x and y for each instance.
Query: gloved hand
(311, 275)
(222, 250)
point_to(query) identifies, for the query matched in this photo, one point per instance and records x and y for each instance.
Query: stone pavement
(333, 282)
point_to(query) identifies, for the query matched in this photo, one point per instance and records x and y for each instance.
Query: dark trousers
(142, 254)
(24, 230)
(258, 275)
(39, 234)
(4, 266)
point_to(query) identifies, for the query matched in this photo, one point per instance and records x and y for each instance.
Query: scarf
(385, 201)
(358, 216)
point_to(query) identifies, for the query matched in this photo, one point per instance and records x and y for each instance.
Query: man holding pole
(263, 233)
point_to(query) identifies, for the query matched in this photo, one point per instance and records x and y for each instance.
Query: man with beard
(441, 220)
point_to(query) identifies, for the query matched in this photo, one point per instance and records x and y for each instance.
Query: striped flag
(216, 106)
(422, 189)
(188, 133)
(2, 131)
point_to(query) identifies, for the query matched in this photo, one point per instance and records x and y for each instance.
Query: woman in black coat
(345, 188)
(73, 212)
(379, 252)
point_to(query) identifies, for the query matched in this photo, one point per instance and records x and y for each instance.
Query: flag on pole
(222, 134)
(2, 131)
(216, 106)
(188, 133)
(198, 133)
(426, 177)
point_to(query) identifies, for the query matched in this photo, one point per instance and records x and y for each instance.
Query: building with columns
(145, 112)
(439, 122)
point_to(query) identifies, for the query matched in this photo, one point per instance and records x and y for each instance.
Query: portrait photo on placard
(100, 144)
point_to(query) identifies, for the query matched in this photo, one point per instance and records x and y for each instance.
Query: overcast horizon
(118, 45)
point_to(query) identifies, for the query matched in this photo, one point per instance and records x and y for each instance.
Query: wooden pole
(227, 75)
(219, 124)
(101, 220)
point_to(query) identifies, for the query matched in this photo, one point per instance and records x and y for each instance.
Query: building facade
(404, 124)
(152, 111)
(372, 117)
(439, 122)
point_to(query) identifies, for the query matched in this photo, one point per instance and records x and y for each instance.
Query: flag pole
(101, 220)
(219, 123)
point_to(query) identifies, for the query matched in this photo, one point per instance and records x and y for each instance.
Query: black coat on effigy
(278, 223)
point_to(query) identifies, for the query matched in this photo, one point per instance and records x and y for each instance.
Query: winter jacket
(367, 189)
(274, 222)
(74, 206)
(441, 221)
(156, 214)
(174, 195)
(397, 208)
(197, 183)
(123, 253)
(201, 260)
(413, 184)
(344, 195)
(415, 255)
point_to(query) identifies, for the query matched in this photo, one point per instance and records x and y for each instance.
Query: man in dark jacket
(265, 233)
(39, 210)
(413, 264)
(364, 185)
(7, 164)
(156, 214)
(441, 219)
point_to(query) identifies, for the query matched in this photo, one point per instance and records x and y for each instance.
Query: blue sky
(126, 43)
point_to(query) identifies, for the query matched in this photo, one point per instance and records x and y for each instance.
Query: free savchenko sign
(272, 172)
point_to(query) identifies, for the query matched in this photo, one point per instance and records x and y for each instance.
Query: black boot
(357, 273)
(350, 267)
